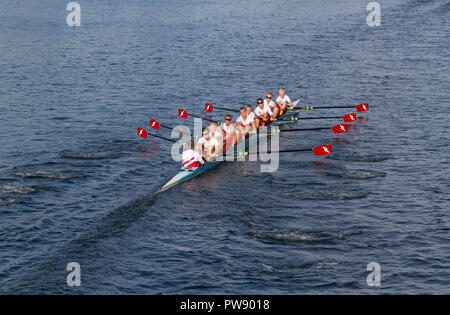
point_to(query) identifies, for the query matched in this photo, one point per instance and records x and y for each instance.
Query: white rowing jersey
(191, 158)
(271, 104)
(260, 112)
(217, 134)
(207, 144)
(284, 100)
(245, 122)
(252, 116)
(228, 129)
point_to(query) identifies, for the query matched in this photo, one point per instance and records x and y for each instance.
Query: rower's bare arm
(211, 156)
(198, 149)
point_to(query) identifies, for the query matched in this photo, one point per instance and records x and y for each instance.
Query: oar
(320, 150)
(304, 129)
(209, 108)
(364, 107)
(156, 125)
(144, 134)
(341, 128)
(347, 118)
(184, 114)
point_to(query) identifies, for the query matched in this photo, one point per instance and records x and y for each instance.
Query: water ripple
(17, 189)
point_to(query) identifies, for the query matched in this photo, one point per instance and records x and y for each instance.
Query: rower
(282, 102)
(191, 158)
(207, 146)
(214, 132)
(228, 132)
(263, 113)
(250, 113)
(245, 124)
(268, 102)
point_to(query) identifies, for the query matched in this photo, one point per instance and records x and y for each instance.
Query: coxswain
(191, 158)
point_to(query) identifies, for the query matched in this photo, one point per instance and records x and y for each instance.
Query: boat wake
(296, 236)
(17, 189)
(285, 236)
(112, 225)
(86, 155)
(325, 195)
(47, 174)
(357, 174)
(293, 235)
(360, 158)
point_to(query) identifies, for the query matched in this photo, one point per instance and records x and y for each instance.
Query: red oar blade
(350, 118)
(142, 133)
(182, 113)
(364, 107)
(209, 108)
(154, 124)
(322, 150)
(341, 128)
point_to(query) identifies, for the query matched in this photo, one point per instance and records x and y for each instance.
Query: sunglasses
(228, 119)
(269, 97)
(260, 103)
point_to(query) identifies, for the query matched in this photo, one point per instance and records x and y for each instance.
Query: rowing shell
(186, 174)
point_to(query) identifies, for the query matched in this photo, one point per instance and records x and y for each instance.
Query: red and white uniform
(228, 130)
(251, 116)
(217, 134)
(191, 158)
(270, 104)
(228, 135)
(286, 100)
(245, 122)
(207, 144)
(260, 112)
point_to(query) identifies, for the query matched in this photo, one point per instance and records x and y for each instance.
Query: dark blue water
(77, 184)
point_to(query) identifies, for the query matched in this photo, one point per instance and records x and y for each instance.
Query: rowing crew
(216, 138)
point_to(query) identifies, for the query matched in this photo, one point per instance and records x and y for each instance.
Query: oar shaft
(294, 118)
(329, 107)
(305, 129)
(280, 151)
(227, 109)
(165, 127)
(310, 118)
(180, 131)
(214, 121)
(170, 128)
(161, 137)
(269, 132)
(293, 150)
